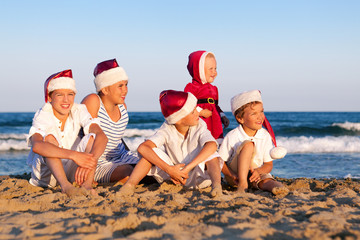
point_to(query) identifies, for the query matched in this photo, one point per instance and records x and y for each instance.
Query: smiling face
(210, 68)
(62, 100)
(118, 91)
(252, 118)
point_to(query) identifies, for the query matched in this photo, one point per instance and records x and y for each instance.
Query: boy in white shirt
(58, 155)
(190, 156)
(247, 148)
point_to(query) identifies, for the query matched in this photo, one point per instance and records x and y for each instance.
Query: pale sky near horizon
(303, 55)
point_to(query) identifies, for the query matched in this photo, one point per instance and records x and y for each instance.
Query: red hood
(196, 66)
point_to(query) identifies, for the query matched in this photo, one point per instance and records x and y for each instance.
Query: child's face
(253, 118)
(118, 91)
(191, 119)
(210, 69)
(62, 100)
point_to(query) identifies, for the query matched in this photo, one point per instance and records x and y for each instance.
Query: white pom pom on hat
(278, 152)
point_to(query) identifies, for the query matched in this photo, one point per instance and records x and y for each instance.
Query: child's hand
(205, 113)
(85, 160)
(177, 176)
(232, 179)
(255, 176)
(225, 121)
(81, 175)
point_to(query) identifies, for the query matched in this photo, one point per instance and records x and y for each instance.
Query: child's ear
(105, 91)
(239, 119)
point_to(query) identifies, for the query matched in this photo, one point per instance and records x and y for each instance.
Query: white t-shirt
(45, 123)
(237, 136)
(178, 148)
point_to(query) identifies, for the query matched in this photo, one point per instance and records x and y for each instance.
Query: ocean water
(319, 144)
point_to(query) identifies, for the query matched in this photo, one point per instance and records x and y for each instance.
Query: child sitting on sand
(108, 105)
(190, 156)
(246, 149)
(202, 68)
(57, 154)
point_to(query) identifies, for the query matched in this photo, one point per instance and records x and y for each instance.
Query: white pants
(198, 176)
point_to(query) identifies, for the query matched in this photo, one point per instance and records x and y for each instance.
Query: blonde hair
(239, 113)
(210, 55)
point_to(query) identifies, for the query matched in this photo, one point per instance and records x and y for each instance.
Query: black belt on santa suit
(207, 100)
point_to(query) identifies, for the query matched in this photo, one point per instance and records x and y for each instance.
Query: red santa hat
(176, 104)
(60, 80)
(107, 73)
(255, 96)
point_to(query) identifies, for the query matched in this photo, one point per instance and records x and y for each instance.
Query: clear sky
(304, 55)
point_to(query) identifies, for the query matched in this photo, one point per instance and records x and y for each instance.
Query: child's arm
(100, 140)
(208, 149)
(97, 150)
(205, 113)
(92, 104)
(146, 150)
(49, 150)
(228, 172)
(257, 172)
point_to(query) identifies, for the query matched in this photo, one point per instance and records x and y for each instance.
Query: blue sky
(303, 55)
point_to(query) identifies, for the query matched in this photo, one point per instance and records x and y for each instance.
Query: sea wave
(13, 136)
(327, 144)
(351, 126)
(302, 144)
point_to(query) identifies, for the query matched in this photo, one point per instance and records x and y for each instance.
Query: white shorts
(198, 177)
(233, 165)
(41, 175)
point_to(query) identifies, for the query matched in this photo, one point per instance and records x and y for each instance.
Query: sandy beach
(313, 209)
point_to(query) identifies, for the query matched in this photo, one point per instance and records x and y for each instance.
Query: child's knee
(250, 146)
(213, 165)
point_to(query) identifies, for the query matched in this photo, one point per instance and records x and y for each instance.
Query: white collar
(260, 134)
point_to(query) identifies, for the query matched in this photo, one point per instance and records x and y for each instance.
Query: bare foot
(241, 190)
(72, 191)
(280, 191)
(126, 190)
(89, 190)
(123, 180)
(216, 192)
(242, 187)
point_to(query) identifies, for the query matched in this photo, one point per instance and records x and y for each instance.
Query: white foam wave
(6, 145)
(134, 137)
(320, 145)
(8, 136)
(351, 126)
(134, 132)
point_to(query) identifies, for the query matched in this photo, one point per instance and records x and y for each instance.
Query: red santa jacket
(203, 90)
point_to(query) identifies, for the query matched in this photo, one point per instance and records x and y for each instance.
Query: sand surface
(314, 209)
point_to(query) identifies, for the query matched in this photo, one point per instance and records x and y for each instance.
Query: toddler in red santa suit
(202, 68)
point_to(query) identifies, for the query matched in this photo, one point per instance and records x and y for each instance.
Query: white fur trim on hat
(110, 77)
(243, 98)
(188, 107)
(61, 83)
(202, 67)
